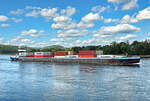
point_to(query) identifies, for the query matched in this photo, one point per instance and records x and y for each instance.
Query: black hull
(115, 61)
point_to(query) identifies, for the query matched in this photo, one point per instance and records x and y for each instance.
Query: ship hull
(99, 61)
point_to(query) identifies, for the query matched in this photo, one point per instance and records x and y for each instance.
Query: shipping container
(43, 53)
(60, 53)
(89, 52)
(72, 56)
(60, 56)
(48, 56)
(99, 52)
(87, 56)
(71, 53)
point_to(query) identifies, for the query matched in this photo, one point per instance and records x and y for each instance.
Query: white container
(99, 52)
(42, 53)
(47, 53)
(38, 53)
(105, 56)
(60, 56)
(72, 56)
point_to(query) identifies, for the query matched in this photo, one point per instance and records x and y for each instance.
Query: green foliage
(136, 48)
(8, 49)
(53, 48)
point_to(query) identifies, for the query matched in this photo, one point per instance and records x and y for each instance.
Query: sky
(40, 23)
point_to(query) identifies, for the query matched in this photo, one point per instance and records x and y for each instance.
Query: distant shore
(142, 56)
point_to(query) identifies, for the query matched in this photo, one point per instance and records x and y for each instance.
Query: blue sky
(39, 23)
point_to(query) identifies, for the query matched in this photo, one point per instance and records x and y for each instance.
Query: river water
(32, 81)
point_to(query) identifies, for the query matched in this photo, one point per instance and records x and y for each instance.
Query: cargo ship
(83, 57)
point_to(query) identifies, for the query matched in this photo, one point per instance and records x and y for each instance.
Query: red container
(61, 53)
(89, 52)
(87, 56)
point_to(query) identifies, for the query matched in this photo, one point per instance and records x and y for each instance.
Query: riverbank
(142, 56)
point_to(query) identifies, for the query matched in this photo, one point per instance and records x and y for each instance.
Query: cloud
(141, 16)
(100, 9)
(2, 40)
(144, 14)
(89, 18)
(21, 38)
(120, 28)
(74, 33)
(27, 41)
(67, 25)
(17, 12)
(3, 18)
(32, 33)
(48, 13)
(127, 37)
(83, 25)
(127, 4)
(130, 5)
(110, 20)
(4, 25)
(62, 19)
(16, 39)
(69, 11)
(32, 7)
(128, 19)
(63, 22)
(61, 39)
(16, 20)
(33, 13)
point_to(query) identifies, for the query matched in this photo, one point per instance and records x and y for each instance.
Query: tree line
(117, 48)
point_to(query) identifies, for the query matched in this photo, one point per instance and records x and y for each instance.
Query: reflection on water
(32, 81)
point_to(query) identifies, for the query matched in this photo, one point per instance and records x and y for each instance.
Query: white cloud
(62, 19)
(4, 25)
(128, 19)
(32, 7)
(127, 37)
(69, 11)
(3, 18)
(2, 40)
(32, 33)
(34, 13)
(16, 39)
(48, 13)
(83, 25)
(16, 20)
(74, 33)
(120, 28)
(148, 33)
(41, 44)
(27, 41)
(144, 14)
(111, 20)
(89, 18)
(60, 39)
(100, 9)
(127, 4)
(63, 22)
(141, 16)
(17, 12)
(130, 5)
(64, 25)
